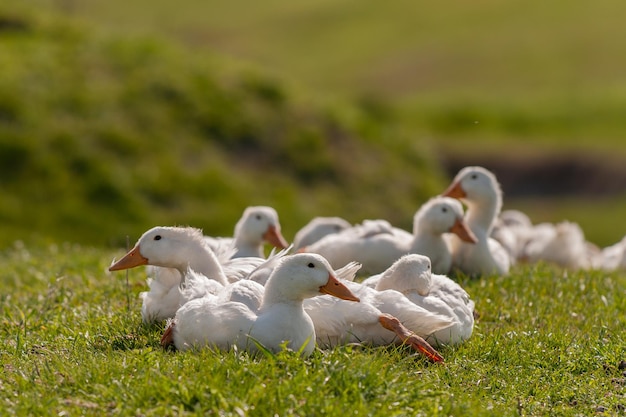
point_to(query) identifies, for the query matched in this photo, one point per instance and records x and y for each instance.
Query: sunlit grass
(546, 342)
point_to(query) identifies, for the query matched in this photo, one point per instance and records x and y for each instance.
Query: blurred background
(116, 116)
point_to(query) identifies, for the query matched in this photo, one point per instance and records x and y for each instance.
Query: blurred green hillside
(104, 136)
(115, 116)
(468, 75)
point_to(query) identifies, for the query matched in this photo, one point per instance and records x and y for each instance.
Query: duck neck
(426, 235)
(274, 295)
(201, 259)
(246, 247)
(481, 215)
(271, 301)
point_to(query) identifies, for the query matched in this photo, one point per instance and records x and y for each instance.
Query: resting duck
(281, 321)
(563, 244)
(377, 245)
(612, 258)
(317, 228)
(511, 229)
(411, 275)
(258, 224)
(338, 322)
(373, 243)
(171, 251)
(479, 190)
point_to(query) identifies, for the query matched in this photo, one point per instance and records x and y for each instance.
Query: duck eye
(157, 237)
(258, 217)
(310, 265)
(444, 209)
(474, 176)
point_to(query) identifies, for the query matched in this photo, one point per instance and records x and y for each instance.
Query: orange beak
(463, 232)
(335, 288)
(130, 260)
(455, 191)
(275, 238)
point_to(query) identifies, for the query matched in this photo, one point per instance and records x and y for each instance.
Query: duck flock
(224, 293)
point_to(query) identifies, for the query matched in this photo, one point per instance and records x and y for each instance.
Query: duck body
(449, 299)
(374, 244)
(166, 295)
(377, 245)
(206, 322)
(486, 257)
(411, 275)
(562, 244)
(318, 228)
(280, 322)
(338, 322)
(612, 257)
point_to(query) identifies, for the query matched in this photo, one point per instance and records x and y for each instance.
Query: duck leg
(168, 335)
(389, 322)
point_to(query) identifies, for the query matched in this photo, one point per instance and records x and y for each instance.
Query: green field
(536, 73)
(546, 343)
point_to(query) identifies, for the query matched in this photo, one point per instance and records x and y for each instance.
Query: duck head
(161, 246)
(304, 275)
(260, 223)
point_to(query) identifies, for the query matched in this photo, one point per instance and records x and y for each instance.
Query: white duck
(172, 251)
(612, 258)
(373, 243)
(510, 229)
(563, 244)
(338, 322)
(317, 228)
(411, 275)
(258, 224)
(281, 321)
(479, 190)
(377, 245)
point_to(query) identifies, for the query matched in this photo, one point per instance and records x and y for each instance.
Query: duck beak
(335, 288)
(275, 238)
(130, 260)
(455, 191)
(461, 229)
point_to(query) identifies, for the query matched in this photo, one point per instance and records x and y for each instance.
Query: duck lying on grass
(281, 320)
(411, 275)
(170, 251)
(318, 228)
(376, 244)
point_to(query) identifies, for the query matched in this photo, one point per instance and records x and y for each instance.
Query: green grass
(547, 343)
